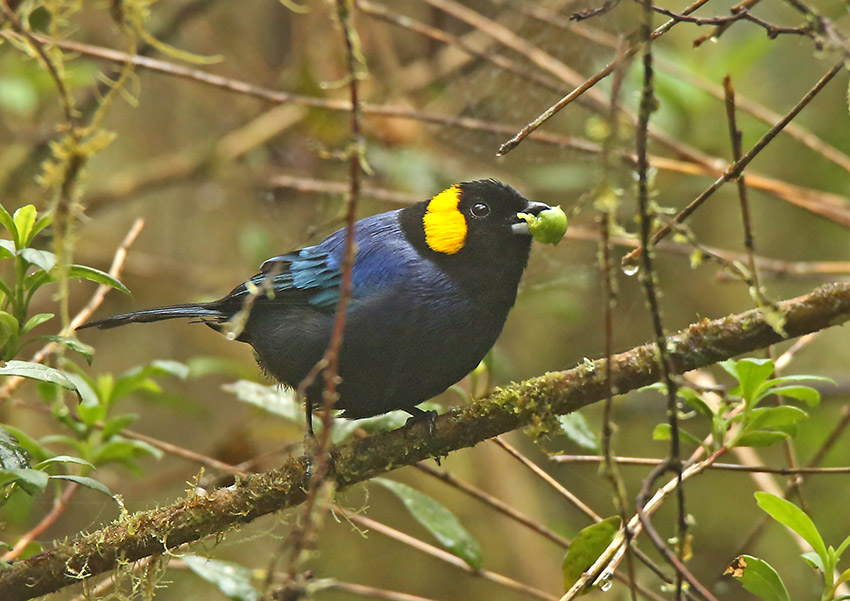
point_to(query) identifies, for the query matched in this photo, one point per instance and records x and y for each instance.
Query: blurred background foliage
(226, 174)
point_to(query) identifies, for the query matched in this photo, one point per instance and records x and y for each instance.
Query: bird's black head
(472, 218)
(473, 226)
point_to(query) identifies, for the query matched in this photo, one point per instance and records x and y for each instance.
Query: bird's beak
(533, 208)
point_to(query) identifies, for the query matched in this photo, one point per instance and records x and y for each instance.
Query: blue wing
(314, 273)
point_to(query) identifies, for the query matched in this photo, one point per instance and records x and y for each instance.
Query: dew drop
(606, 580)
(630, 265)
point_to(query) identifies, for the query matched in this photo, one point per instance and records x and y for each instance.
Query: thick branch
(528, 403)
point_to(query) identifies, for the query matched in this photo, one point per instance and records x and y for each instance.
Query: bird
(432, 286)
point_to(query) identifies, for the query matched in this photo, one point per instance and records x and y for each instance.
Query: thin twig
(731, 467)
(537, 471)
(737, 167)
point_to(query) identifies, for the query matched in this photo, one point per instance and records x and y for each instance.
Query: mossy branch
(529, 403)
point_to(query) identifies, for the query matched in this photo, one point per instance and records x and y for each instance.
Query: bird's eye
(480, 209)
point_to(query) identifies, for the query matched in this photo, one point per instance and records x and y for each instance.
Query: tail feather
(204, 311)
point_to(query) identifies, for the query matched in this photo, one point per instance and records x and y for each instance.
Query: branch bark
(529, 403)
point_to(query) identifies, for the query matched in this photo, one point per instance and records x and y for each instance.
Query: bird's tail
(206, 312)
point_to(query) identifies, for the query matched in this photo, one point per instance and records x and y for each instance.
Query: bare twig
(737, 167)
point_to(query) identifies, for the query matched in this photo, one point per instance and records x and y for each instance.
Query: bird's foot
(418, 415)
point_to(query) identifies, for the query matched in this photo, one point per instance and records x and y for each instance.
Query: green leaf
(36, 320)
(120, 449)
(273, 399)
(751, 374)
(758, 577)
(8, 222)
(84, 349)
(577, 430)
(42, 223)
(42, 259)
(230, 578)
(36, 371)
(814, 560)
(12, 455)
(842, 547)
(95, 275)
(32, 481)
(37, 451)
(24, 221)
(775, 417)
(64, 459)
(807, 394)
(761, 439)
(586, 548)
(695, 401)
(7, 249)
(785, 512)
(115, 425)
(438, 520)
(85, 481)
(9, 322)
(663, 432)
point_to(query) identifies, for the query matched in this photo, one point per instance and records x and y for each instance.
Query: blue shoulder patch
(382, 253)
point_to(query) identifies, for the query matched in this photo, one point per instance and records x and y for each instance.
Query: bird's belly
(397, 352)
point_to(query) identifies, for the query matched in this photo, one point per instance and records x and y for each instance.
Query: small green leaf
(36, 450)
(7, 249)
(807, 394)
(751, 374)
(8, 222)
(842, 547)
(695, 401)
(273, 399)
(814, 560)
(232, 579)
(36, 320)
(42, 223)
(663, 432)
(785, 512)
(775, 417)
(82, 348)
(42, 259)
(9, 323)
(577, 429)
(114, 425)
(24, 222)
(761, 439)
(32, 481)
(12, 455)
(758, 577)
(36, 371)
(438, 520)
(85, 481)
(586, 548)
(64, 459)
(95, 275)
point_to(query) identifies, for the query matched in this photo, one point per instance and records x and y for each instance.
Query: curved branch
(530, 403)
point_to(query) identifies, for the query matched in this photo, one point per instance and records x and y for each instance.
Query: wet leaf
(758, 577)
(438, 520)
(230, 578)
(586, 548)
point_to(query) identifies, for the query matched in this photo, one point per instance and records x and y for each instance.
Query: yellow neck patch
(445, 225)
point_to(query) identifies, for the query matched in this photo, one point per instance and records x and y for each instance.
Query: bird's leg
(418, 415)
(308, 410)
